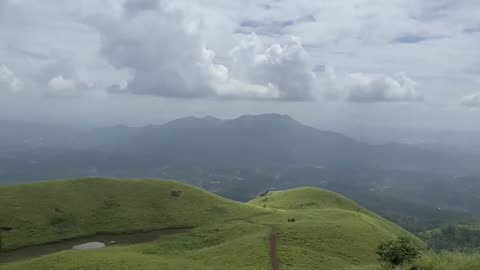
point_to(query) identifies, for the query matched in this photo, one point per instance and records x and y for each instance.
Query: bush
(397, 252)
(175, 193)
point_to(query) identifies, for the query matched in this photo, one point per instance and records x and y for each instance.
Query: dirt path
(273, 250)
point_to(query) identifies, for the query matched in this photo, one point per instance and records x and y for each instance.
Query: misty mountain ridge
(241, 157)
(267, 140)
(273, 139)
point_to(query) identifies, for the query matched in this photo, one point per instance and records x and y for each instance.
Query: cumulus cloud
(287, 67)
(175, 61)
(9, 82)
(371, 88)
(472, 101)
(362, 87)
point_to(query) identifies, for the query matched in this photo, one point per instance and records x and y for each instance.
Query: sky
(398, 65)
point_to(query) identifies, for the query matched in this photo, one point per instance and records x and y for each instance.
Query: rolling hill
(329, 232)
(51, 211)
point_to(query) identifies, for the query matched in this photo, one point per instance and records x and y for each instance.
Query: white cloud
(472, 101)
(371, 88)
(176, 61)
(362, 87)
(286, 67)
(9, 82)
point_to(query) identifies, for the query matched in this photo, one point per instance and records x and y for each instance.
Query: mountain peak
(271, 119)
(189, 120)
(263, 118)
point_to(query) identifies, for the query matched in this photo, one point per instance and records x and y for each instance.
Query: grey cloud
(264, 28)
(271, 27)
(413, 38)
(472, 29)
(30, 53)
(472, 101)
(134, 6)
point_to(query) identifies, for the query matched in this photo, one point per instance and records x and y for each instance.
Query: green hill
(51, 211)
(329, 232)
(303, 198)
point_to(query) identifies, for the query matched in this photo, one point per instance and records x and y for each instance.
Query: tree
(397, 252)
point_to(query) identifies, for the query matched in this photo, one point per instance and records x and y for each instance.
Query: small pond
(107, 239)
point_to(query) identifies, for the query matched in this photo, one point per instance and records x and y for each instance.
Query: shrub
(175, 193)
(3, 229)
(397, 252)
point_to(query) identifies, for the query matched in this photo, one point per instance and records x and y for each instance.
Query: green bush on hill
(397, 252)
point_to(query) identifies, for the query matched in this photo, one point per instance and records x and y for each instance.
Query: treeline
(460, 237)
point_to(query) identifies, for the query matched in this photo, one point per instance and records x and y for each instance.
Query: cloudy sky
(342, 65)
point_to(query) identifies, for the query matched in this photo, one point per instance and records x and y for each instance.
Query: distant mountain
(268, 140)
(250, 141)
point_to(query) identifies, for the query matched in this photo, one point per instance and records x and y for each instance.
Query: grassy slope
(234, 245)
(330, 231)
(304, 198)
(51, 211)
(448, 261)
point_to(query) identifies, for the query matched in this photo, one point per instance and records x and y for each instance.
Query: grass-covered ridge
(329, 232)
(304, 198)
(51, 211)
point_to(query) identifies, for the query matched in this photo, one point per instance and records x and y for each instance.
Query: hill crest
(304, 198)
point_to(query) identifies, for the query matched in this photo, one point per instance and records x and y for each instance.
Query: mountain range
(243, 157)
(269, 140)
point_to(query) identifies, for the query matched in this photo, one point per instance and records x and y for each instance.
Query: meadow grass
(51, 211)
(447, 260)
(329, 232)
